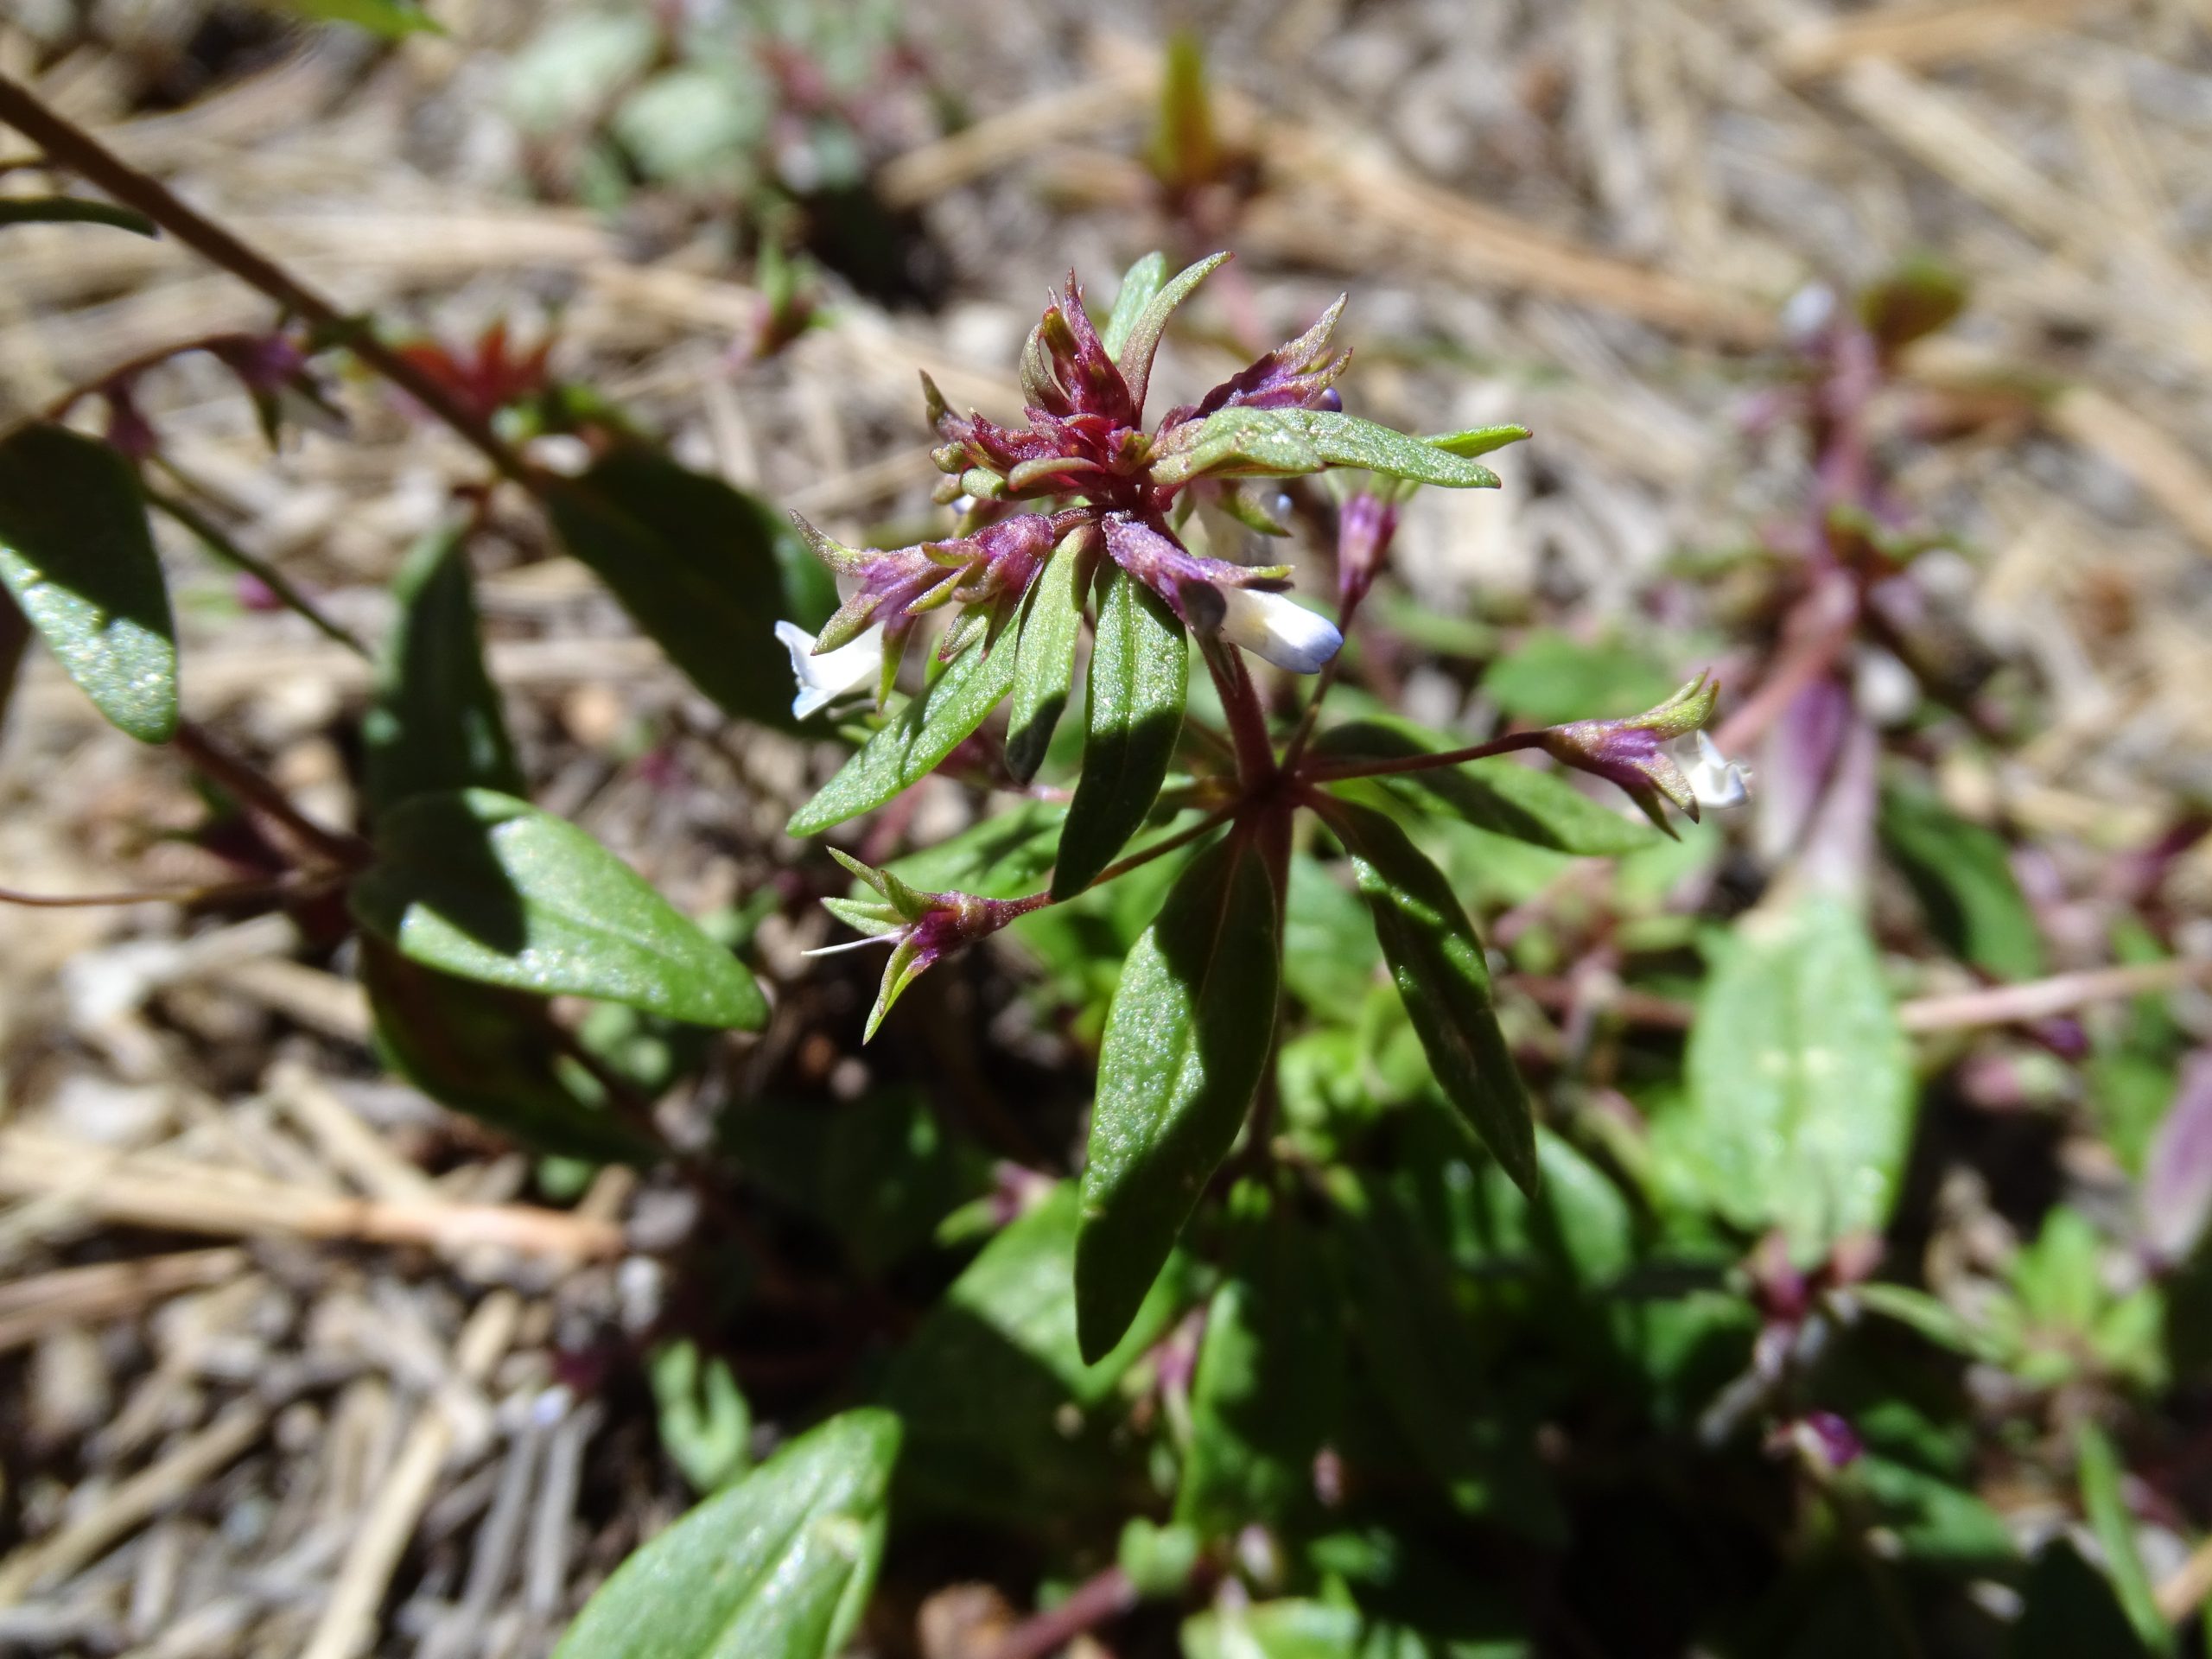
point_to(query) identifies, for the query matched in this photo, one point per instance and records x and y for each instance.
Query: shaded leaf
(78, 556)
(1044, 663)
(986, 1385)
(435, 723)
(491, 1054)
(1437, 964)
(1962, 875)
(1500, 795)
(1270, 1379)
(2069, 1610)
(1001, 856)
(695, 563)
(486, 887)
(916, 740)
(2107, 1509)
(777, 1567)
(14, 636)
(1330, 957)
(1549, 678)
(1140, 674)
(1186, 1040)
(1801, 1086)
(73, 209)
(1419, 1355)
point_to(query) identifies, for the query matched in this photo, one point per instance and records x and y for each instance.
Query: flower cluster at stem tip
(1085, 480)
(1085, 446)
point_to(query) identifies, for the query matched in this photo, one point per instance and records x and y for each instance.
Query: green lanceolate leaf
(1477, 440)
(1963, 877)
(1186, 1040)
(1499, 795)
(1138, 284)
(1139, 672)
(1043, 663)
(76, 552)
(2107, 1509)
(1437, 964)
(73, 209)
(481, 885)
(1800, 1087)
(493, 1054)
(434, 724)
(777, 1567)
(917, 739)
(695, 563)
(1242, 443)
(1142, 344)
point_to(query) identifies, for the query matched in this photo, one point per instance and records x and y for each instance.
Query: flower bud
(920, 927)
(1366, 526)
(1632, 754)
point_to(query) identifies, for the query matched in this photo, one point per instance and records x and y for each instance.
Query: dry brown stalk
(154, 1189)
(107, 1290)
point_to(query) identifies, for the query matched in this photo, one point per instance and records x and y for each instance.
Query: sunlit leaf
(486, 887)
(778, 1566)
(78, 556)
(1801, 1086)
(1187, 1038)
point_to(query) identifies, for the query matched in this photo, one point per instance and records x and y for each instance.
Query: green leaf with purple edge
(78, 554)
(1186, 1040)
(484, 886)
(777, 1566)
(917, 739)
(1438, 965)
(1134, 358)
(1138, 284)
(1140, 677)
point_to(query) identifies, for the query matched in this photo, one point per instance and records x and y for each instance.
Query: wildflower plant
(1085, 517)
(1336, 1333)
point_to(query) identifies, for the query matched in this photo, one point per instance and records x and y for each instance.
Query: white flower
(823, 679)
(1279, 628)
(1715, 779)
